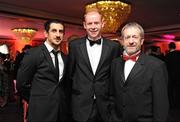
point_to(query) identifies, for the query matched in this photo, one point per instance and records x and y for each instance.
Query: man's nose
(58, 34)
(131, 40)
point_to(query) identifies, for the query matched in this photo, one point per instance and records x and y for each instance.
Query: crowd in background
(172, 59)
(8, 72)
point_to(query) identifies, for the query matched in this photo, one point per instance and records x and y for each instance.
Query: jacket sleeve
(160, 95)
(25, 75)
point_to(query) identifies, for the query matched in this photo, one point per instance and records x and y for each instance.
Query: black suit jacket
(18, 60)
(37, 82)
(173, 66)
(84, 83)
(143, 96)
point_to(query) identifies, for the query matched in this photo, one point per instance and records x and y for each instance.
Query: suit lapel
(117, 71)
(121, 67)
(105, 49)
(48, 57)
(85, 54)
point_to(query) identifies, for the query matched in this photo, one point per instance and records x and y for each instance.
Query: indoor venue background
(159, 18)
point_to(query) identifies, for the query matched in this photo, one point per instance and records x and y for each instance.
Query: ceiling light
(24, 34)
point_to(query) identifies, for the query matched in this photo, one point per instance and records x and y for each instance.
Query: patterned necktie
(56, 61)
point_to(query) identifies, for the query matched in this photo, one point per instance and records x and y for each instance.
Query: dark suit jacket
(18, 60)
(84, 83)
(37, 82)
(143, 96)
(173, 66)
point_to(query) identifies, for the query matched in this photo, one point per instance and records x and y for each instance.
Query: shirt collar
(49, 47)
(125, 53)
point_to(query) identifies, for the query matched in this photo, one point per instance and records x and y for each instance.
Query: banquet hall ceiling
(158, 17)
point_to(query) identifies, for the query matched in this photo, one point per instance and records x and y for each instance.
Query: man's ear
(142, 41)
(84, 25)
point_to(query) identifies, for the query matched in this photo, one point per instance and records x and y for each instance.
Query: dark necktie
(56, 61)
(133, 57)
(94, 42)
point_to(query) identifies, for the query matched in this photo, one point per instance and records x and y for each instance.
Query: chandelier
(24, 34)
(114, 13)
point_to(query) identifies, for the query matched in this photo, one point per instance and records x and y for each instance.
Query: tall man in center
(89, 70)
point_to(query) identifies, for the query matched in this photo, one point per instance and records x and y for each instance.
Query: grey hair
(133, 24)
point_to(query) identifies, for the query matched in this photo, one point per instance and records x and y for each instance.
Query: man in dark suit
(40, 78)
(138, 82)
(19, 58)
(173, 66)
(89, 67)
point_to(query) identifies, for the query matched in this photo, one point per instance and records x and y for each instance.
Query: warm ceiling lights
(114, 12)
(24, 34)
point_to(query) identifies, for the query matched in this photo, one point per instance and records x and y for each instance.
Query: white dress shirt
(61, 63)
(94, 53)
(128, 67)
(129, 64)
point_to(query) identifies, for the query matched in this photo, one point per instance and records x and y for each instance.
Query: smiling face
(93, 23)
(55, 34)
(132, 40)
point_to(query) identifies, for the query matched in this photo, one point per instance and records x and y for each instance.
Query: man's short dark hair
(48, 23)
(26, 47)
(3, 56)
(154, 48)
(172, 45)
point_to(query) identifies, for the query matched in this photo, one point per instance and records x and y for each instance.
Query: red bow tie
(133, 58)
